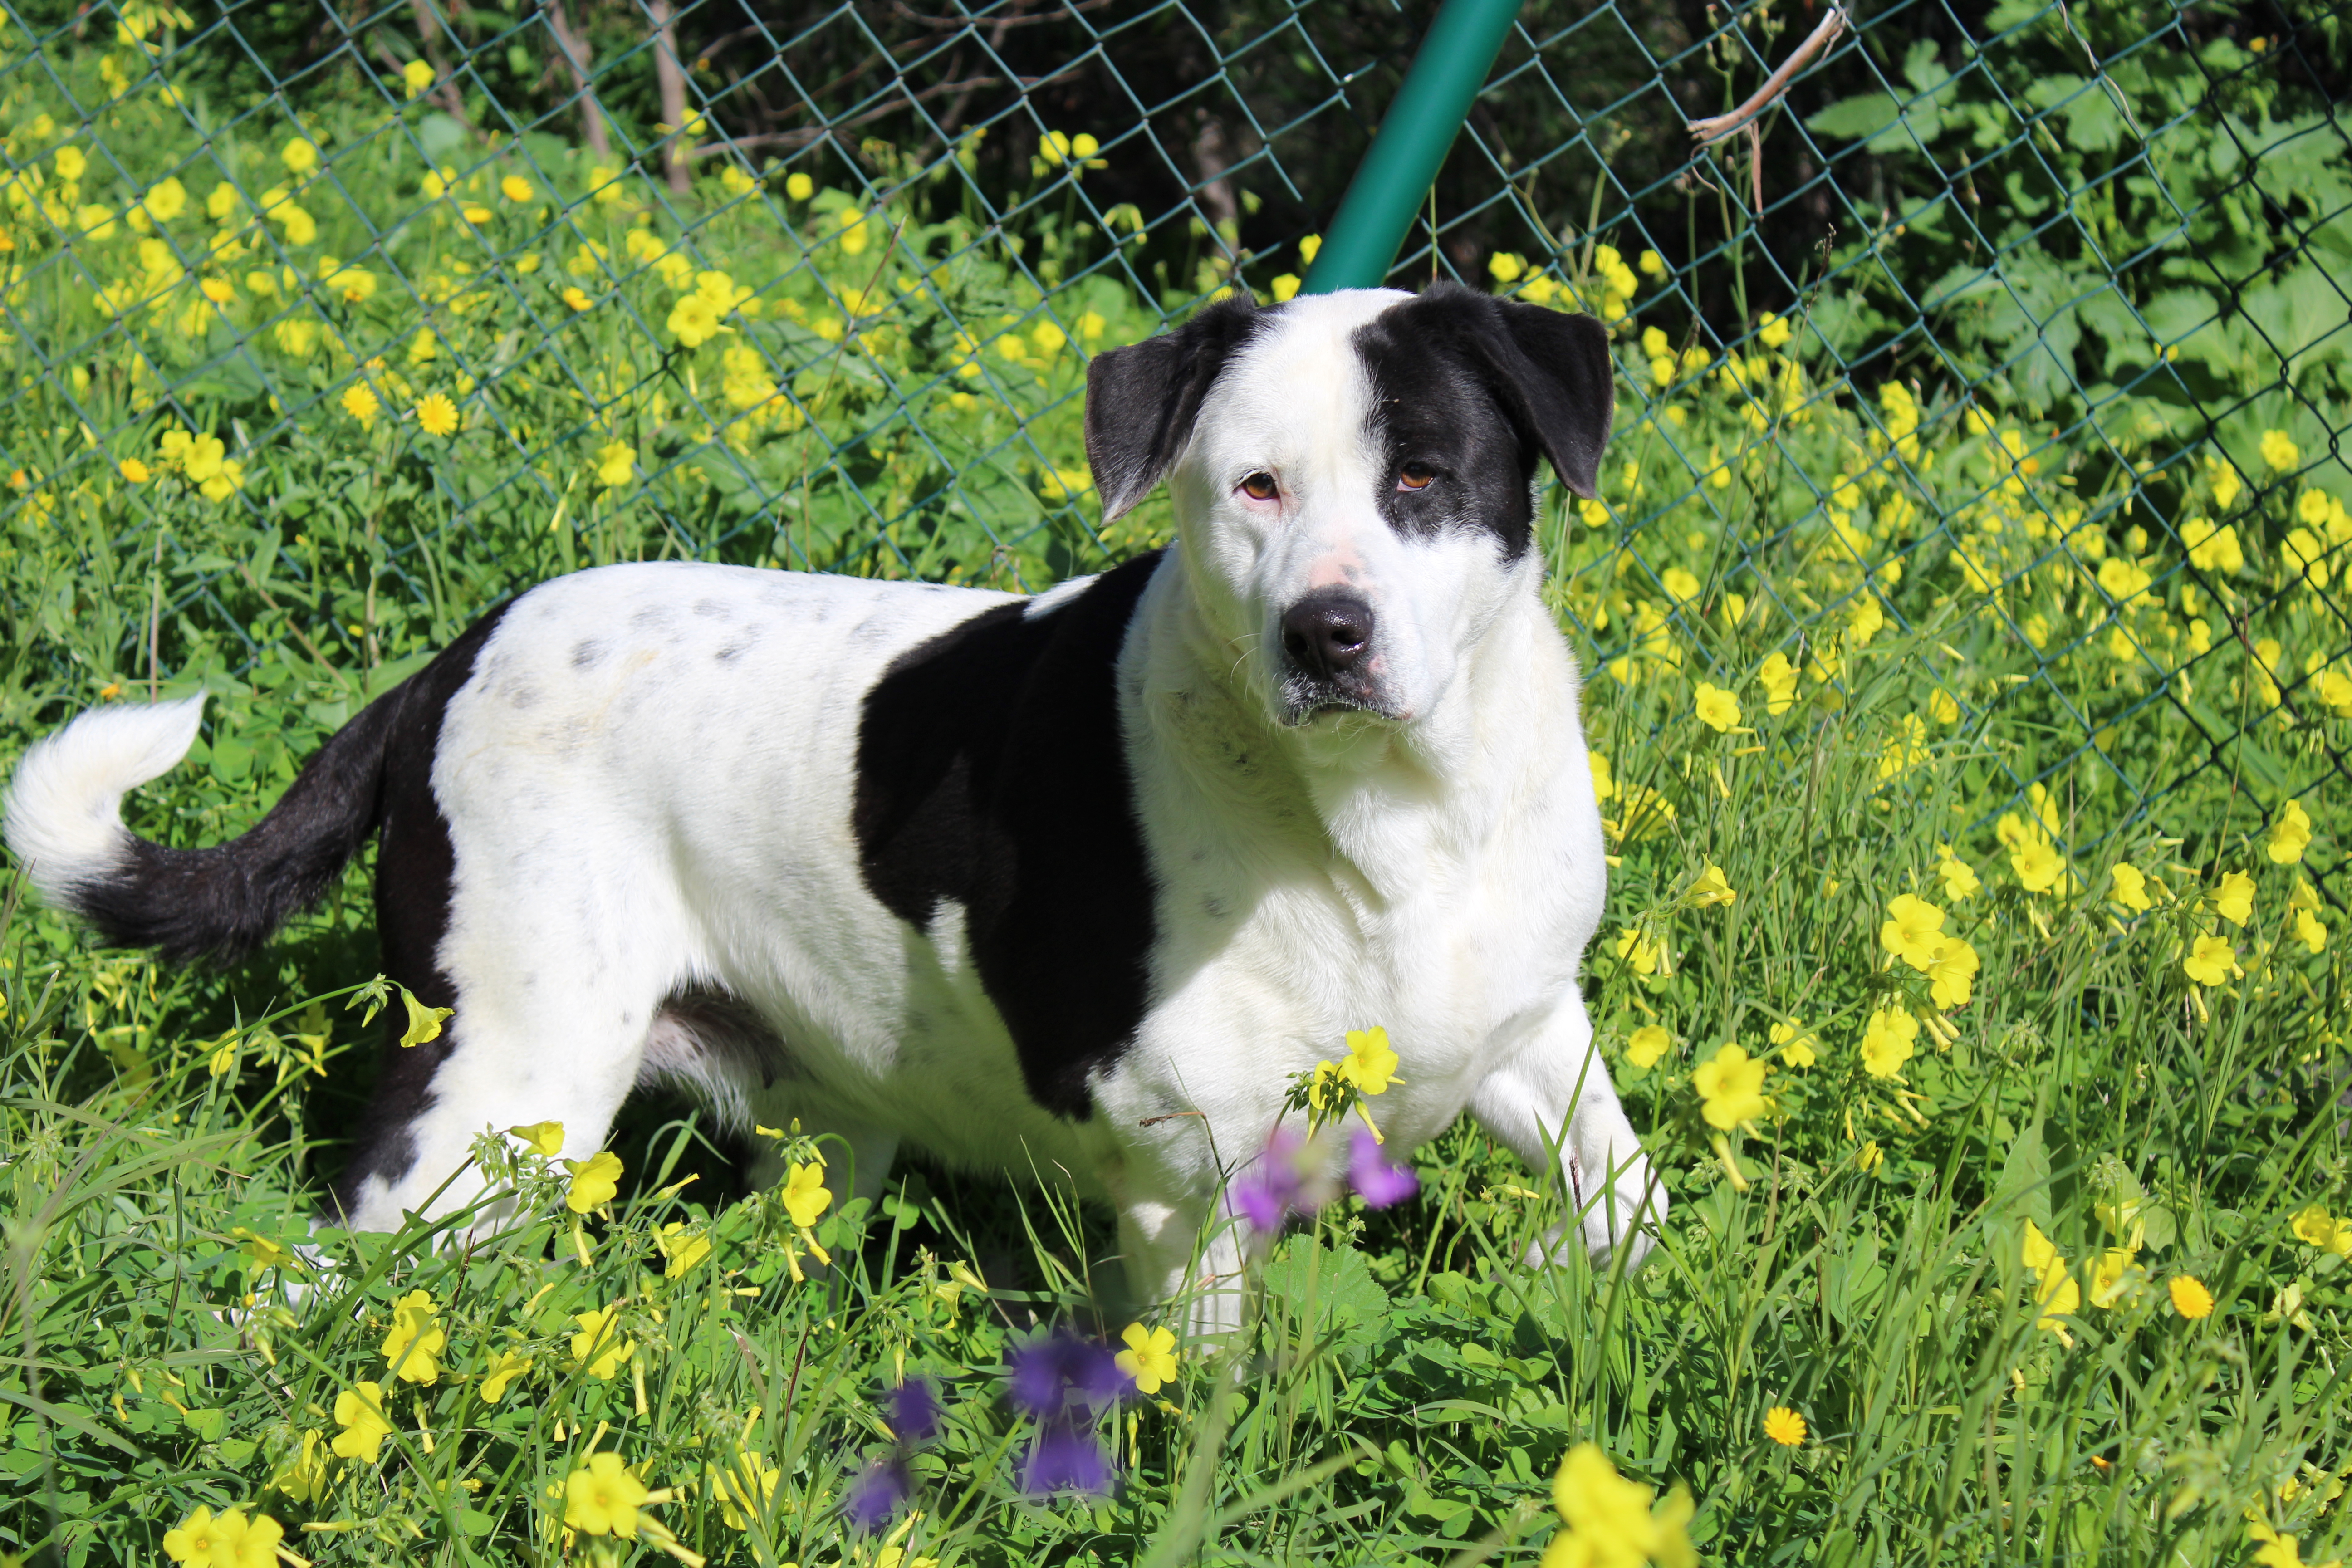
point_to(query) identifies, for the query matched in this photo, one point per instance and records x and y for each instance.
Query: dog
(1075, 881)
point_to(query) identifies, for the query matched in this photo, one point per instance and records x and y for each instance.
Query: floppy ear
(1141, 401)
(1555, 369)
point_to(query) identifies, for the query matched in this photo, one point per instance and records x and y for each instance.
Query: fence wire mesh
(2015, 336)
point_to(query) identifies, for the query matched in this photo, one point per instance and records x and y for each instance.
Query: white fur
(648, 784)
(65, 803)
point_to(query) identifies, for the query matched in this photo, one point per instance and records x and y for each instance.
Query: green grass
(1957, 606)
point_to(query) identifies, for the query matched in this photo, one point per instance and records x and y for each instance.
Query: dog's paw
(1621, 1208)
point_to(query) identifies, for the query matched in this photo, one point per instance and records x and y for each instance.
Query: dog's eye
(1415, 477)
(1260, 487)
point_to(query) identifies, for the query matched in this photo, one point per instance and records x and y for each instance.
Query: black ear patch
(1550, 371)
(1141, 400)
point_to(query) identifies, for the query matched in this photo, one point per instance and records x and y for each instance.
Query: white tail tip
(65, 815)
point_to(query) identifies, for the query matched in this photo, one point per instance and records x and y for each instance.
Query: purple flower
(1273, 1188)
(1066, 1458)
(913, 1410)
(1376, 1180)
(876, 1497)
(1063, 1373)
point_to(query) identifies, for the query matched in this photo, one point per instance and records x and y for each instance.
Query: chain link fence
(2015, 337)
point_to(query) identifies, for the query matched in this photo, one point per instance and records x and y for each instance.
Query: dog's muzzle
(1327, 662)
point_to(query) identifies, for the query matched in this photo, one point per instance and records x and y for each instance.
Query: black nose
(1327, 634)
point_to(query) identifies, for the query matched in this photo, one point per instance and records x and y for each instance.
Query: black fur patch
(415, 862)
(1141, 400)
(221, 902)
(991, 770)
(1477, 388)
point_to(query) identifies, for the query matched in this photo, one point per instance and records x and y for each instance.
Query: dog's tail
(65, 824)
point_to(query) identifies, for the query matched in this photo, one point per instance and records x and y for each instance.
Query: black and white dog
(1019, 880)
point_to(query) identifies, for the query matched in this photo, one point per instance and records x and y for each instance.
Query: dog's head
(1353, 475)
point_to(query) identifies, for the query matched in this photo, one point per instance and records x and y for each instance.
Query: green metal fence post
(1414, 135)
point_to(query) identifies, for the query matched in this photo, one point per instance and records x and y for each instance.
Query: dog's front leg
(1552, 1099)
(1181, 1254)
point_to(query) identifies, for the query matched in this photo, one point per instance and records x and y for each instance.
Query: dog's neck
(1349, 781)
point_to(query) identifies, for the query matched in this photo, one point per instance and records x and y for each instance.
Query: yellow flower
(2189, 1297)
(200, 1536)
(1678, 584)
(1646, 1045)
(260, 1252)
(1959, 878)
(1773, 332)
(748, 1485)
(1778, 678)
(1784, 1425)
(805, 1195)
(134, 471)
(1712, 888)
(1149, 1357)
(1869, 1157)
(2037, 863)
(1716, 708)
(424, 1023)
(1369, 1065)
(359, 1411)
(2277, 450)
(545, 1138)
(2131, 887)
(577, 299)
(694, 321)
(417, 76)
(2210, 961)
(360, 403)
(2057, 1293)
(799, 187)
(1604, 785)
(595, 1181)
(2212, 549)
(602, 1498)
(516, 189)
(304, 1478)
(1951, 972)
(166, 201)
(1286, 287)
(412, 1349)
(2314, 1227)
(2310, 931)
(684, 1251)
(2278, 1549)
(1797, 1046)
(616, 464)
(202, 458)
(2290, 833)
(231, 1541)
(71, 164)
(2233, 900)
(1639, 951)
(1912, 931)
(1730, 1088)
(438, 415)
(300, 155)
(2112, 1276)
(598, 1347)
(505, 1367)
(1607, 1522)
(1887, 1042)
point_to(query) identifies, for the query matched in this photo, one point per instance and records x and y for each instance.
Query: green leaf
(1854, 118)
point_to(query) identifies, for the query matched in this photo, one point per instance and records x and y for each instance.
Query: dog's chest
(1274, 944)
